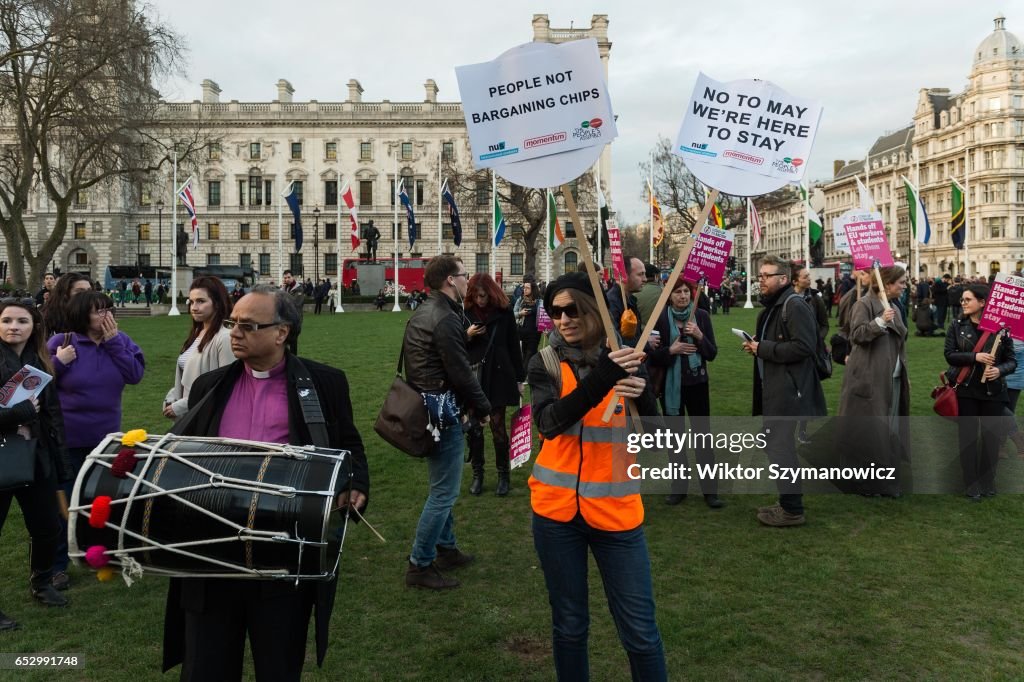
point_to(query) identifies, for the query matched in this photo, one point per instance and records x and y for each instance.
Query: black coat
(47, 425)
(502, 366)
(708, 348)
(961, 337)
(333, 392)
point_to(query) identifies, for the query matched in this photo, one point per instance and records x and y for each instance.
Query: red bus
(373, 276)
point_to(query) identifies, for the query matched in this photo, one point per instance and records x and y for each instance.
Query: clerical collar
(274, 371)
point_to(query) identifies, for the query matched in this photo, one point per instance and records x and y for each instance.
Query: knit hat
(572, 280)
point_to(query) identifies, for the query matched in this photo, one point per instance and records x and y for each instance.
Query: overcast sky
(865, 61)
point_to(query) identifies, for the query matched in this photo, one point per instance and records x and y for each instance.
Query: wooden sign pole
(995, 350)
(881, 287)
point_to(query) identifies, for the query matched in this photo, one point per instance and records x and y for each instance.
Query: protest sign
(532, 103)
(746, 137)
(521, 439)
(544, 323)
(709, 256)
(1004, 308)
(28, 382)
(615, 246)
(866, 238)
(839, 235)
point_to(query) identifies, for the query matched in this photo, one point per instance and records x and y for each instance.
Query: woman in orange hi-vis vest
(582, 496)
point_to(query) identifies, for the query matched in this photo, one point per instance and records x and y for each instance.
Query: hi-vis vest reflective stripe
(585, 469)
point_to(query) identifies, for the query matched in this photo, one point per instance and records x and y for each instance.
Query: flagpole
(337, 233)
(967, 223)
(749, 303)
(394, 228)
(173, 312)
(600, 258)
(807, 225)
(280, 240)
(650, 202)
(494, 218)
(917, 241)
(440, 188)
(548, 234)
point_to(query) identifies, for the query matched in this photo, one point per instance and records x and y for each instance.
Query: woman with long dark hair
(526, 317)
(493, 344)
(208, 345)
(23, 342)
(55, 311)
(982, 406)
(93, 362)
(582, 496)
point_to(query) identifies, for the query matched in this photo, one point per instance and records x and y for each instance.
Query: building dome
(1000, 45)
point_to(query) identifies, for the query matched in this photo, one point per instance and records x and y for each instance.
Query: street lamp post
(138, 249)
(160, 231)
(316, 246)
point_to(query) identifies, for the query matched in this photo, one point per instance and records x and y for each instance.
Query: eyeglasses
(14, 300)
(248, 327)
(558, 311)
(461, 274)
(766, 275)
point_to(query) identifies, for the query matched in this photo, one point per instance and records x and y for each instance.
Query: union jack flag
(185, 194)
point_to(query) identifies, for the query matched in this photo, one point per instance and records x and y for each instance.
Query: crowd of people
(471, 351)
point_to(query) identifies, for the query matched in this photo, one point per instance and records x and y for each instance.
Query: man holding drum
(267, 395)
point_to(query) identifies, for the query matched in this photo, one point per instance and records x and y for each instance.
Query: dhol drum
(211, 507)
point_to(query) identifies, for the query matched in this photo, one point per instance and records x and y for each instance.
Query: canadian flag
(346, 195)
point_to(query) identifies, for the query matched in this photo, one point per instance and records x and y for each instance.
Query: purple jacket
(90, 387)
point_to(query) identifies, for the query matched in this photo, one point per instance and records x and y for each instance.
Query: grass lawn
(927, 586)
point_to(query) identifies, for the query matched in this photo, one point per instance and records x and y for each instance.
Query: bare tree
(521, 205)
(84, 111)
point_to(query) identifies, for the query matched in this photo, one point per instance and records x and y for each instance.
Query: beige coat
(216, 354)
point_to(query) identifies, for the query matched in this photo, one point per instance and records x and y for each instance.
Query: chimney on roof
(355, 91)
(284, 91)
(837, 165)
(211, 92)
(431, 87)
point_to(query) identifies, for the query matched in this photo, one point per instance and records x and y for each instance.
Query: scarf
(582, 359)
(674, 375)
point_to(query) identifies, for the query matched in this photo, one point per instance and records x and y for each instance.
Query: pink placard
(544, 323)
(709, 256)
(521, 440)
(615, 246)
(865, 233)
(1004, 308)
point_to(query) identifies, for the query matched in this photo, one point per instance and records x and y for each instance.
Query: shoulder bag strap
(309, 401)
(962, 375)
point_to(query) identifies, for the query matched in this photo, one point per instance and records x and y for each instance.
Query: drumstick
(363, 519)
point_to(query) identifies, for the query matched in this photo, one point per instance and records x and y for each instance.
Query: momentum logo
(550, 138)
(747, 158)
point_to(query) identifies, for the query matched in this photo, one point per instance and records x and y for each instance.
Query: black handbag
(402, 421)
(17, 461)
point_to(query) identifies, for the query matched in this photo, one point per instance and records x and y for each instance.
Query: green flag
(813, 220)
(956, 225)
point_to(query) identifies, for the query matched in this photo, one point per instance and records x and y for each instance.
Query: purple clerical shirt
(258, 407)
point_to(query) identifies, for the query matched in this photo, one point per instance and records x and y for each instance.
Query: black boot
(8, 623)
(43, 592)
(502, 464)
(476, 460)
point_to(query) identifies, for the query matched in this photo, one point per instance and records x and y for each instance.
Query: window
(255, 190)
(516, 231)
(1020, 192)
(268, 187)
(396, 229)
(143, 232)
(996, 129)
(483, 231)
(295, 264)
(987, 163)
(1017, 101)
(213, 259)
(483, 262)
(254, 150)
(214, 151)
(366, 192)
(81, 258)
(407, 151)
(264, 264)
(213, 193)
(213, 231)
(264, 230)
(82, 198)
(517, 265)
(993, 104)
(144, 260)
(297, 186)
(331, 192)
(330, 264)
(241, 193)
(330, 230)
(243, 231)
(447, 151)
(1020, 157)
(296, 151)
(1018, 128)
(245, 261)
(79, 230)
(144, 198)
(570, 262)
(1020, 227)
(995, 228)
(570, 231)
(483, 193)
(331, 151)
(365, 151)
(419, 192)
(446, 231)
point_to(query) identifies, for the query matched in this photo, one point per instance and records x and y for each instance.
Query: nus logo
(496, 147)
(697, 145)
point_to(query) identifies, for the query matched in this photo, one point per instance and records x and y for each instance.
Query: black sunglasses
(557, 311)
